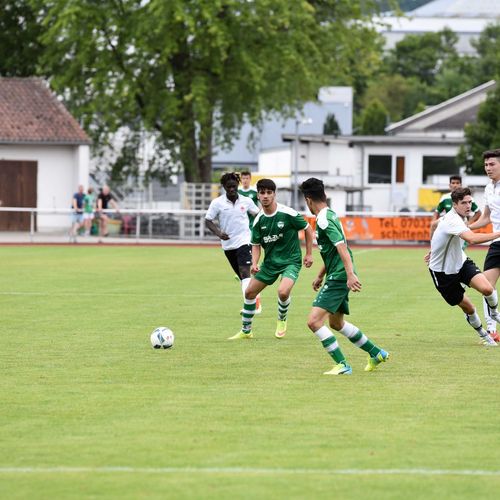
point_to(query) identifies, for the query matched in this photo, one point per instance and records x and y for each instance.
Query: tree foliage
(190, 72)
(331, 125)
(374, 119)
(20, 48)
(482, 135)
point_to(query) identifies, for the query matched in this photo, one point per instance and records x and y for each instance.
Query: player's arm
(476, 238)
(75, 205)
(475, 217)
(316, 284)
(309, 234)
(484, 219)
(216, 230)
(353, 282)
(256, 251)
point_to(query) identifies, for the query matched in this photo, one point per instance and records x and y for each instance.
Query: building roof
(448, 115)
(488, 9)
(392, 140)
(32, 114)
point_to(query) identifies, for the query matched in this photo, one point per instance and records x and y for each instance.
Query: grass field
(90, 410)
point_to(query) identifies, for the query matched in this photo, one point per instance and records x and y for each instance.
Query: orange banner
(388, 228)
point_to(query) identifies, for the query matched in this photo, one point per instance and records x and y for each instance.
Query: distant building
(44, 153)
(465, 17)
(402, 171)
(310, 119)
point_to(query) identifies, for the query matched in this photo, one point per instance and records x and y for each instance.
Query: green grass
(81, 387)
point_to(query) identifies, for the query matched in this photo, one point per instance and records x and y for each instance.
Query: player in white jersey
(450, 267)
(491, 213)
(232, 211)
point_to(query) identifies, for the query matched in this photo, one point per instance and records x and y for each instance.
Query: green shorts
(333, 297)
(269, 276)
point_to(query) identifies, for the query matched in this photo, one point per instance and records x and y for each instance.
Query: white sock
(474, 320)
(491, 324)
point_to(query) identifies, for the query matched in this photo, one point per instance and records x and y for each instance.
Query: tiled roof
(31, 113)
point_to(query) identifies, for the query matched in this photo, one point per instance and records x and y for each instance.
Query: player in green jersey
(445, 204)
(246, 190)
(332, 301)
(275, 230)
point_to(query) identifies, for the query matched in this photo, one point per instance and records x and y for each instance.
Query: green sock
(247, 315)
(283, 309)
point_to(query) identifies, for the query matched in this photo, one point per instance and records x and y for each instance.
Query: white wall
(60, 170)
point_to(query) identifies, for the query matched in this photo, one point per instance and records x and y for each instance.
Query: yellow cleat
(241, 335)
(340, 369)
(381, 357)
(280, 329)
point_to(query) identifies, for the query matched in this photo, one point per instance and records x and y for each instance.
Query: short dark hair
(492, 153)
(245, 172)
(459, 194)
(313, 188)
(230, 176)
(456, 177)
(264, 184)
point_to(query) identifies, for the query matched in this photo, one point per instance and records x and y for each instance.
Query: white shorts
(87, 216)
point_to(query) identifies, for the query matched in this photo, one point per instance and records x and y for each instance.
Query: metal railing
(140, 224)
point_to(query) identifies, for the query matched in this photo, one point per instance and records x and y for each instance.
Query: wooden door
(17, 189)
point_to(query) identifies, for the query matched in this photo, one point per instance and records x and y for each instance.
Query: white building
(466, 18)
(403, 171)
(44, 154)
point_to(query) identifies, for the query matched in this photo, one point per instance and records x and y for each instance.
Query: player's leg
(248, 312)
(284, 299)
(492, 276)
(376, 355)
(316, 323)
(243, 263)
(492, 273)
(475, 321)
(288, 278)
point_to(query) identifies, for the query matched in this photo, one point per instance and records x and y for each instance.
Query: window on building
(438, 165)
(400, 169)
(379, 169)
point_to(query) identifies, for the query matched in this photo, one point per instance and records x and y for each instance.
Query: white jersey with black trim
(233, 219)
(492, 201)
(447, 255)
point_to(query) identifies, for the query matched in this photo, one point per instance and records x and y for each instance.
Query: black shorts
(240, 257)
(450, 285)
(492, 259)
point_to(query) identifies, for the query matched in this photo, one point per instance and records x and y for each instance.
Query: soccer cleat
(495, 336)
(340, 369)
(280, 329)
(374, 361)
(488, 340)
(241, 335)
(258, 306)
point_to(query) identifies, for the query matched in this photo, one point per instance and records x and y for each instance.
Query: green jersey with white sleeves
(278, 236)
(329, 233)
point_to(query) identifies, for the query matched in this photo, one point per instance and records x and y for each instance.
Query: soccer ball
(162, 338)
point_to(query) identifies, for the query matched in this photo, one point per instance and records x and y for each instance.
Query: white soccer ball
(162, 338)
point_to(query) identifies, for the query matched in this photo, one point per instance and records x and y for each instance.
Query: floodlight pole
(296, 143)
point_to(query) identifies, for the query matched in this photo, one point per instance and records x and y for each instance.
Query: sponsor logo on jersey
(271, 239)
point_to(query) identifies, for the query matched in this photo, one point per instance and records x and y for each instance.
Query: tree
(400, 96)
(421, 56)
(488, 50)
(191, 71)
(20, 49)
(331, 125)
(374, 119)
(482, 135)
